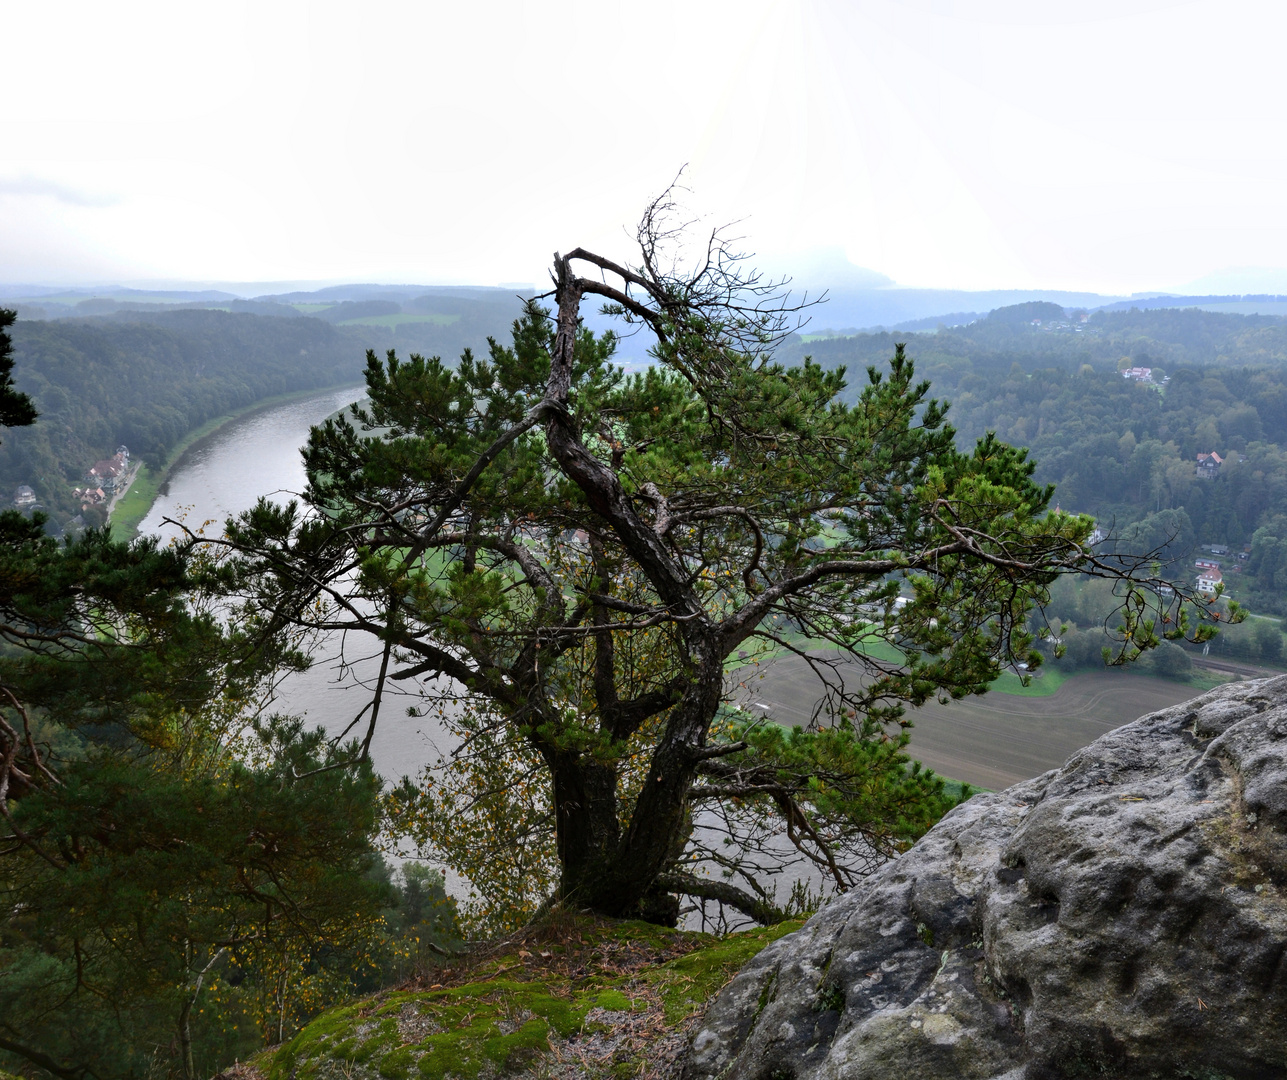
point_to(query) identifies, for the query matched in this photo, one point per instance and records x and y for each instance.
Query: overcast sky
(1113, 146)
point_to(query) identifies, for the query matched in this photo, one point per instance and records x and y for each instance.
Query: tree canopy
(1122, 449)
(573, 563)
(16, 410)
(145, 382)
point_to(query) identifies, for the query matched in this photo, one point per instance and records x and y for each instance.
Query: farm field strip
(995, 740)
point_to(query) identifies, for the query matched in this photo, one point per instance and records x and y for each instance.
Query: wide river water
(226, 473)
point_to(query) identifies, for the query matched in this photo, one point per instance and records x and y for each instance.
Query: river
(226, 473)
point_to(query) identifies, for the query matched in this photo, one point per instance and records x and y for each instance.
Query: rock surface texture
(1123, 916)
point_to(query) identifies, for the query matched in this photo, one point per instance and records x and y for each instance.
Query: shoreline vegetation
(133, 506)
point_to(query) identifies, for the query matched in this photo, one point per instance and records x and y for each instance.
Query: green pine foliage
(185, 876)
(806, 516)
(16, 410)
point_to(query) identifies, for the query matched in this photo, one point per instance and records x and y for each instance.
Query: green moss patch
(576, 996)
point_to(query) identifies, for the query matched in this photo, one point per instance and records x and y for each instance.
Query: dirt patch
(566, 948)
(998, 739)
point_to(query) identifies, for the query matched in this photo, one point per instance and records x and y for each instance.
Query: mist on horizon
(999, 148)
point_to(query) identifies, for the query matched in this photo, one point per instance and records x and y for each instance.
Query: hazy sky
(1115, 146)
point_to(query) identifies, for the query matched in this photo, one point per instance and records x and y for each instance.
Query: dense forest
(145, 382)
(1125, 449)
(144, 375)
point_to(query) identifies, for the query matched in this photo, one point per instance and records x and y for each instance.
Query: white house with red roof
(1208, 580)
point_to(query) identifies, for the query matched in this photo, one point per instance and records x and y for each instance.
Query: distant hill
(915, 309)
(1239, 304)
(1168, 337)
(1033, 312)
(889, 307)
(482, 310)
(1120, 447)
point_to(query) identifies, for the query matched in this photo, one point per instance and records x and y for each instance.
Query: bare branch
(725, 892)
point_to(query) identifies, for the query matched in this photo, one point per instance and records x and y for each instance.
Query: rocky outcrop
(1123, 916)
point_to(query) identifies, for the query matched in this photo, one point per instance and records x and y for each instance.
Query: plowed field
(998, 739)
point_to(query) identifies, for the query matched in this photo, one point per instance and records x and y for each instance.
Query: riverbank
(134, 505)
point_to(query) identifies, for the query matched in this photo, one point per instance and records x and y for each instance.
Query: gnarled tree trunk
(621, 879)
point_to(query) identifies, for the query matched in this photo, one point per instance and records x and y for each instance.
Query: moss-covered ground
(574, 996)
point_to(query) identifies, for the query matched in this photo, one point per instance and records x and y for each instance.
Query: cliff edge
(1122, 916)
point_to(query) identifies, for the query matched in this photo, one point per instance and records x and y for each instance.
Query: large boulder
(1123, 916)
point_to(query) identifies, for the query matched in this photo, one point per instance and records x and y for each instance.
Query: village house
(1208, 466)
(105, 473)
(110, 471)
(1139, 374)
(89, 496)
(24, 497)
(1208, 580)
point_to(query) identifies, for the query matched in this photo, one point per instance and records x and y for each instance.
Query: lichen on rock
(1124, 916)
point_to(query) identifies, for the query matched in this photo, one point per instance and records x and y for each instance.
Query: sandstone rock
(1123, 916)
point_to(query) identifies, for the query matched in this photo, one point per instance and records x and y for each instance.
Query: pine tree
(586, 556)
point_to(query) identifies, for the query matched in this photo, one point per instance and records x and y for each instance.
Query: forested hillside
(1168, 337)
(145, 382)
(144, 375)
(1126, 449)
